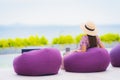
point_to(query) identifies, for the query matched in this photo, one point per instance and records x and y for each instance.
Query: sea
(50, 31)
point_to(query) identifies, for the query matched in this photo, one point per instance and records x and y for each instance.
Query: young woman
(89, 40)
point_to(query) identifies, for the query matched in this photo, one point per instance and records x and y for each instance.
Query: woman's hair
(92, 41)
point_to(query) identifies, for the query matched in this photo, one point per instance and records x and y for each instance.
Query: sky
(59, 12)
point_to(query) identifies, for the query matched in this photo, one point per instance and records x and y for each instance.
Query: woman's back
(88, 41)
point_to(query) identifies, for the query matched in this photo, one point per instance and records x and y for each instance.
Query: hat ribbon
(89, 28)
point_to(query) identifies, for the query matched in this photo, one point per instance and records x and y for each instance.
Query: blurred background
(55, 23)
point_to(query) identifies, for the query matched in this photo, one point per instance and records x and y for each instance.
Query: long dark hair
(92, 41)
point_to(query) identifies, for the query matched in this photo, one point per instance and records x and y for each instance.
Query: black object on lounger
(26, 50)
(67, 49)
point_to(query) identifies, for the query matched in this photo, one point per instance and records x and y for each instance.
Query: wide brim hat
(89, 28)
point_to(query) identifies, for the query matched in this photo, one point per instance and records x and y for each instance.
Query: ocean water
(50, 32)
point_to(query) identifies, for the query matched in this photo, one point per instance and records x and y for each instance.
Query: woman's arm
(83, 49)
(101, 45)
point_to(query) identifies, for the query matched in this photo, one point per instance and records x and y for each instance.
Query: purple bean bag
(38, 62)
(94, 60)
(115, 56)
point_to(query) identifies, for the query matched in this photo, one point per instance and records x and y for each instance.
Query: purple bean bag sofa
(45, 61)
(94, 60)
(115, 56)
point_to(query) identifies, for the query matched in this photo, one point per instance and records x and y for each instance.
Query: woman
(89, 40)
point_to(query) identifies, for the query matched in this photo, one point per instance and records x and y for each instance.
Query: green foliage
(119, 39)
(22, 42)
(43, 40)
(78, 38)
(110, 37)
(62, 39)
(18, 42)
(33, 41)
(11, 42)
(69, 39)
(4, 43)
(26, 42)
(55, 41)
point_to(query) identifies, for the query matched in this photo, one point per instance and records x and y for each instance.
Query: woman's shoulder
(84, 36)
(97, 37)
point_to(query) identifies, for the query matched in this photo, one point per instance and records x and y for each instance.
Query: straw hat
(89, 28)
